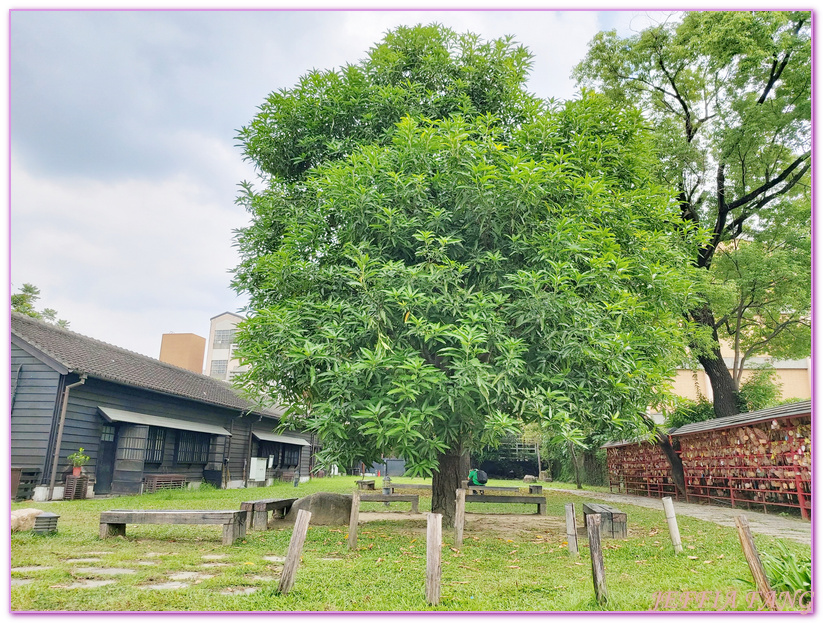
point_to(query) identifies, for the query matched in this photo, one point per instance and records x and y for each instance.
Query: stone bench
(113, 523)
(257, 511)
(612, 521)
(394, 497)
(540, 501)
(365, 485)
(481, 488)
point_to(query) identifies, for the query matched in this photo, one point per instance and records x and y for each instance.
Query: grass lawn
(525, 569)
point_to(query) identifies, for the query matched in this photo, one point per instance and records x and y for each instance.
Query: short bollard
(298, 537)
(434, 542)
(671, 518)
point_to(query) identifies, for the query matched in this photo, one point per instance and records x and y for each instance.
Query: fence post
(798, 485)
(598, 568)
(459, 517)
(353, 519)
(434, 527)
(571, 530)
(298, 536)
(671, 518)
(755, 564)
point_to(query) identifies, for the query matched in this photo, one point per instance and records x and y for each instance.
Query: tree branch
(771, 184)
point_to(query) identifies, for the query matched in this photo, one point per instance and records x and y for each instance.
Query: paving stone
(104, 570)
(275, 558)
(76, 560)
(98, 553)
(190, 575)
(215, 564)
(265, 578)
(238, 590)
(21, 581)
(215, 556)
(84, 584)
(30, 569)
(146, 563)
(164, 586)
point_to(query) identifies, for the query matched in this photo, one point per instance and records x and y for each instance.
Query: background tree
(420, 293)
(24, 302)
(728, 94)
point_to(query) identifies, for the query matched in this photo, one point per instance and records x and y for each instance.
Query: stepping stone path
(275, 558)
(30, 569)
(190, 575)
(238, 590)
(21, 581)
(84, 584)
(215, 556)
(215, 564)
(76, 560)
(165, 586)
(103, 571)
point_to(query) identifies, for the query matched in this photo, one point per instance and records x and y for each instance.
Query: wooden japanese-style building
(144, 424)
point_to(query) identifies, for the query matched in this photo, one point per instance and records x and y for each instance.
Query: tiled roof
(793, 409)
(98, 359)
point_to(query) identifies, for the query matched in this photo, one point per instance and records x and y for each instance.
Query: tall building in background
(184, 350)
(220, 361)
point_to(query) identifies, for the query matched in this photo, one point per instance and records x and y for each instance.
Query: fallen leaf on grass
(722, 556)
(692, 557)
(512, 567)
(579, 564)
(379, 560)
(690, 546)
(465, 582)
(454, 549)
(514, 551)
(706, 562)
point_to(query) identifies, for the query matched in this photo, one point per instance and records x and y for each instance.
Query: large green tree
(481, 259)
(26, 298)
(728, 94)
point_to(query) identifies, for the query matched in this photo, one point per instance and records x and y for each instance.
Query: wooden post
(755, 564)
(571, 530)
(459, 517)
(434, 530)
(353, 519)
(798, 485)
(598, 568)
(674, 531)
(298, 536)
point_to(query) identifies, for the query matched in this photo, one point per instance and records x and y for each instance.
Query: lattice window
(155, 444)
(291, 455)
(193, 447)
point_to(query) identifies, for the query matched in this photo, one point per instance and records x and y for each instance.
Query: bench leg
(112, 529)
(234, 530)
(541, 509)
(414, 506)
(260, 521)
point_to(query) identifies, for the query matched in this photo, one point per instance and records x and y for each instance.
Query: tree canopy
(25, 300)
(728, 95)
(424, 289)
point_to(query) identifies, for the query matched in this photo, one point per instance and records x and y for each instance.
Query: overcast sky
(124, 165)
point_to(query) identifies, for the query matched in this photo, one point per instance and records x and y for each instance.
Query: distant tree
(24, 302)
(477, 258)
(728, 96)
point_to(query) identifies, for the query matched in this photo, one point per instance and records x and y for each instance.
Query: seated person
(477, 478)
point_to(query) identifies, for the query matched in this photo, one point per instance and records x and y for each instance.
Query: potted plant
(78, 460)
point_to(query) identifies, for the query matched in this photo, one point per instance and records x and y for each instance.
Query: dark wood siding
(33, 413)
(84, 422)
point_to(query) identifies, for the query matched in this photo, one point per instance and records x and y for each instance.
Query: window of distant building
(219, 367)
(291, 455)
(223, 338)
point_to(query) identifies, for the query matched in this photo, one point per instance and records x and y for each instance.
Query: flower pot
(75, 471)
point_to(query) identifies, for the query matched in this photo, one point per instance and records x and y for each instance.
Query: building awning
(118, 415)
(295, 441)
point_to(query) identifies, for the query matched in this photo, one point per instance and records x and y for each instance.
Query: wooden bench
(535, 488)
(113, 523)
(365, 485)
(405, 486)
(510, 499)
(394, 497)
(612, 521)
(477, 488)
(257, 511)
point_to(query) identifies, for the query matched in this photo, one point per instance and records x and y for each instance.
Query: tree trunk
(576, 466)
(675, 463)
(445, 483)
(725, 395)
